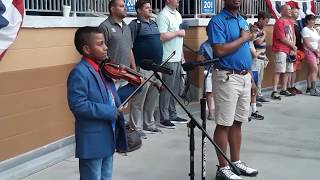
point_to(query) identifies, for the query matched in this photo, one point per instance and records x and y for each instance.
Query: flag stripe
(278, 6)
(306, 7)
(19, 5)
(11, 17)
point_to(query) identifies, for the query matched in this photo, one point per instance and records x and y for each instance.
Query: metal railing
(45, 5)
(187, 8)
(55, 7)
(251, 8)
(317, 8)
(90, 6)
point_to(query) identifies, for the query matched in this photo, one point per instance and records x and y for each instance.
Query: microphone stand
(203, 116)
(191, 125)
(141, 85)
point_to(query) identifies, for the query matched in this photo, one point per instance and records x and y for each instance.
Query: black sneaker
(286, 93)
(153, 130)
(179, 120)
(256, 116)
(245, 170)
(292, 91)
(297, 90)
(225, 173)
(167, 124)
(262, 99)
(275, 95)
(308, 90)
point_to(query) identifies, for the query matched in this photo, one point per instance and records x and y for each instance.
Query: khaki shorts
(281, 64)
(231, 98)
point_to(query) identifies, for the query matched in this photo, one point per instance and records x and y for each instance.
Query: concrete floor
(284, 146)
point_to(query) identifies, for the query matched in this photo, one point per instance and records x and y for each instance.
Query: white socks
(254, 107)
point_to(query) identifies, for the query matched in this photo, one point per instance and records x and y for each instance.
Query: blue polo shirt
(146, 40)
(224, 28)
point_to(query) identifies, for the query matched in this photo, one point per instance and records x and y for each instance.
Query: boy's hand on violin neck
(142, 80)
(119, 111)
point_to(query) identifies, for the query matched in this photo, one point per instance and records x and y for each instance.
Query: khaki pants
(144, 103)
(261, 65)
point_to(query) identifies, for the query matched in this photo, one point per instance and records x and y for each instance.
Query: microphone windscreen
(146, 64)
(190, 65)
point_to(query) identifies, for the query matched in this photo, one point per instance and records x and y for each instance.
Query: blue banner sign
(207, 6)
(130, 5)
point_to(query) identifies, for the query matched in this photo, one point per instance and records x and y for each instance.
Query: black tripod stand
(191, 125)
(203, 115)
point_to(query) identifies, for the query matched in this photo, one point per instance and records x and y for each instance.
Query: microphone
(190, 65)
(148, 64)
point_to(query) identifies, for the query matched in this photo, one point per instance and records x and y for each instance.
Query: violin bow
(123, 104)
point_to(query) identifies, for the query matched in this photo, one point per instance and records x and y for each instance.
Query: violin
(116, 71)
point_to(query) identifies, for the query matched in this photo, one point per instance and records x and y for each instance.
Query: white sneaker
(314, 92)
(225, 173)
(244, 169)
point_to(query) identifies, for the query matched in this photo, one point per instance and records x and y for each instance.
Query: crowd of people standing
(95, 99)
(235, 80)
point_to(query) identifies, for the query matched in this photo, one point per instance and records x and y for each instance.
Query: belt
(241, 72)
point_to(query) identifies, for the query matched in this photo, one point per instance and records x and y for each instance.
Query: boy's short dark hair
(263, 15)
(140, 4)
(83, 35)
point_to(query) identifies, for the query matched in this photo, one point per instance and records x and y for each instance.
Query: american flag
(305, 6)
(11, 16)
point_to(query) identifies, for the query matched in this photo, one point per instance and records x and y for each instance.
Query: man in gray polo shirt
(117, 35)
(118, 39)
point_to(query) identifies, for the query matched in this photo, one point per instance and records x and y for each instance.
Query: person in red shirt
(284, 48)
(297, 64)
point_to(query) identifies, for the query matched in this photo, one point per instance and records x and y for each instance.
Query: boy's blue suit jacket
(94, 114)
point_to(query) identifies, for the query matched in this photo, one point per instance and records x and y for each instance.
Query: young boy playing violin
(93, 100)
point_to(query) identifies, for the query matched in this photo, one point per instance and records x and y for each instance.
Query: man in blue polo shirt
(229, 36)
(146, 45)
